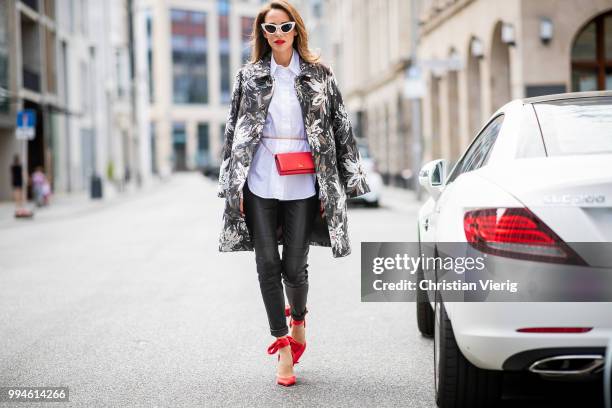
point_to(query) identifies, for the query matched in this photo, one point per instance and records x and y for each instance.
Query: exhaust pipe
(575, 365)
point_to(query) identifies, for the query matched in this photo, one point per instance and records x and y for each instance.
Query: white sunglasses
(272, 28)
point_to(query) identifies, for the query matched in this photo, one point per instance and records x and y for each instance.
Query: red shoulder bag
(293, 162)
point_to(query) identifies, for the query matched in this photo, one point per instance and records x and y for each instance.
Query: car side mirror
(432, 177)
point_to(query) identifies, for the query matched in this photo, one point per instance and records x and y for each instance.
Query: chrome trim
(589, 368)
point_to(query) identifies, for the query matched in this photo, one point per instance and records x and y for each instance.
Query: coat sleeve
(348, 158)
(230, 124)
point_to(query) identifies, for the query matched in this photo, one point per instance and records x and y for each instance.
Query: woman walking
(289, 162)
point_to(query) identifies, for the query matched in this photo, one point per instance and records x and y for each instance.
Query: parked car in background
(375, 180)
(536, 180)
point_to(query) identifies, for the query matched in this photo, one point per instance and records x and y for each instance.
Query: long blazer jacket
(339, 170)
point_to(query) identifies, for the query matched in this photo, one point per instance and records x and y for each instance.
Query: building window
(30, 54)
(50, 9)
(224, 49)
(51, 63)
(84, 87)
(246, 24)
(153, 138)
(4, 59)
(203, 151)
(179, 146)
(149, 24)
(33, 4)
(592, 56)
(189, 57)
(84, 21)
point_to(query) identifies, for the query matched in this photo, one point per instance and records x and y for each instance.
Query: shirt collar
(294, 64)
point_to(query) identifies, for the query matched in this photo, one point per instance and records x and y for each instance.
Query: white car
(373, 177)
(540, 169)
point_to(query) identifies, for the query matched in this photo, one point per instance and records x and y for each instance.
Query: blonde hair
(259, 44)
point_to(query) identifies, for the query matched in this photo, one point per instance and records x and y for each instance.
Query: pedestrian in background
(40, 187)
(17, 183)
(286, 116)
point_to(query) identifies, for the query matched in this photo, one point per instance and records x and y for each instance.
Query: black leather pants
(262, 216)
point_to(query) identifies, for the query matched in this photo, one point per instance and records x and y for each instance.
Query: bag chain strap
(270, 137)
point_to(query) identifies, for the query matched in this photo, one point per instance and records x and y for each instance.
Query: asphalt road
(131, 304)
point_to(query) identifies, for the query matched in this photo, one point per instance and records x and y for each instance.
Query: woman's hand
(241, 205)
(321, 209)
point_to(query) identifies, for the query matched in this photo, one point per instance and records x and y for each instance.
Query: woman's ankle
(298, 332)
(285, 362)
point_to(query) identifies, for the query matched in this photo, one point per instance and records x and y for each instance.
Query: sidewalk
(66, 205)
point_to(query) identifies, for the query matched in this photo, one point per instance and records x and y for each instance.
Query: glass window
(608, 37)
(50, 9)
(149, 23)
(179, 135)
(246, 24)
(584, 79)
(364, 152)
(51, 63)
(585, 45)
(84, 16)
(576, 126)
(84, 87)
(189, 57)
(179, 146)
(153, 137)
(203, 150)
(4, 57)
(224, 49)
(530, 142)
(33, 4)
(478, 153)
(592, 55)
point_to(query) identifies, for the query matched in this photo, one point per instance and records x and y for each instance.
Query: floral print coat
(338, 165)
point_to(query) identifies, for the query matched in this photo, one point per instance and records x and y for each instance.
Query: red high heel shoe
(297, 348)
(280, 343)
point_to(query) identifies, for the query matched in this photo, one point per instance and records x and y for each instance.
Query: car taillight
(555, 330)
(516, 233)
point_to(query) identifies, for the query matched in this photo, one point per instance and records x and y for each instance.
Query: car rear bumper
(487, 333)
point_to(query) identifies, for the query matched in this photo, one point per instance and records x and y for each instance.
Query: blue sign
(26, 118)
(26, 124)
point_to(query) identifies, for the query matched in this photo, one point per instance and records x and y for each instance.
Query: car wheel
(425, 314)
(459, 383)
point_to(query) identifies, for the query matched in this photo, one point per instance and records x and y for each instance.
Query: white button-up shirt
(284, 119)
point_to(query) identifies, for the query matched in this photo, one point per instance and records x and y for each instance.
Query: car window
(364, 151)
(529, 142)
(578, 126)
(478, 153)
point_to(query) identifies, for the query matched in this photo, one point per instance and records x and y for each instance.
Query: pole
(24, 173)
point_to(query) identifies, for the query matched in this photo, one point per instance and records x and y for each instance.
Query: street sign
(26, 124)
(414, 85)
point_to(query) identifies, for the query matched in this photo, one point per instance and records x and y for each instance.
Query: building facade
(479, 54)
(69, 62)
(468, 57)
(369, 45)
(188, 52)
